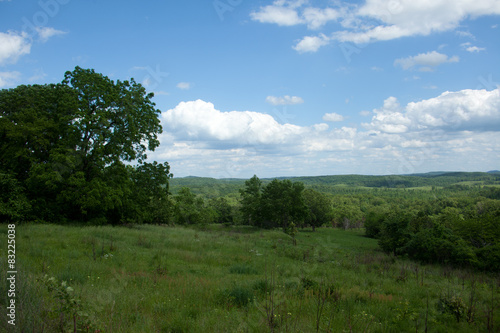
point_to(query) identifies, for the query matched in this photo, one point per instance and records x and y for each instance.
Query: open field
(234, 279)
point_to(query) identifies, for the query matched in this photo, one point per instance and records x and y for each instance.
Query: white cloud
(278, 14)
(410, 18)
(426, 60)
(471, 48)
(467, 34)
(289, 13)
(311, 43)
(8, 79)
(184, 85)
(12, 46)
(285, 100)
(333, 117)
(46, 32)
(472, 110)
(199, 120)
(316, 17)
(389, 118)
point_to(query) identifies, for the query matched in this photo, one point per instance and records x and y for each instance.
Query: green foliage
(239, 296)
(189, 209)
(347, 212)
(223, 211)
(63, 148)
(319, 210)
(14, 205)
(69, 313)
(374, 219)
(394, 232)
(282, 203)
(453, 305)
(150, 198)
(251, 201)
(439, 244)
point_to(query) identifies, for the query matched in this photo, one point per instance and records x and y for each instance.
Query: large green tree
(114, 121)
(282, 203)
(66, 145)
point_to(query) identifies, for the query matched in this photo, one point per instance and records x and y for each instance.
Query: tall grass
(238, 279)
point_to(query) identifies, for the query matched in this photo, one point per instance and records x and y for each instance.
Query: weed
(69, 311)
(453, 305)
(242, 269)
(238, 296)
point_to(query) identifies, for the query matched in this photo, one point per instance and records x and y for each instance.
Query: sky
(284, 87)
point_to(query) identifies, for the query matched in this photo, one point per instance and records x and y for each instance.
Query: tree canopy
(64, 148)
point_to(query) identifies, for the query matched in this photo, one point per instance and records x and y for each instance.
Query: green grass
(236, 279)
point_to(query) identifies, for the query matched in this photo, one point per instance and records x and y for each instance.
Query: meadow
(215, 278)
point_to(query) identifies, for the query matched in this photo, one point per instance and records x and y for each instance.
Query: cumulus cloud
(311, 43)
(471, 110)
(389, 118)
(284, 100)
(199, 120)
(12, 46)
(333, 117)
(425, 61)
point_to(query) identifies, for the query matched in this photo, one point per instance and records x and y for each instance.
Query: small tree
(188, 208)
(251, 200)
(319, 208)
(283, 203)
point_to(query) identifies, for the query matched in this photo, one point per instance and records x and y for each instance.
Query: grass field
(233, 279)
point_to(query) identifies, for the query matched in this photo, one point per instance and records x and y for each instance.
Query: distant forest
(342, 183)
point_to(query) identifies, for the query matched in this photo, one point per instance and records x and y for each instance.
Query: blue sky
(284, 87)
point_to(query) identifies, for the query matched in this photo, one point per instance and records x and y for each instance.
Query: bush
(394, 232)
(237, 296)
(489, 258)
(14, 206)
(439, 244)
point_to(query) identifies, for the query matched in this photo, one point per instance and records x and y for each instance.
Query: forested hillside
(333, 184)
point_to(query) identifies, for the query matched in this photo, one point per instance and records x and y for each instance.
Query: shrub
(237, 296)
(453, 305)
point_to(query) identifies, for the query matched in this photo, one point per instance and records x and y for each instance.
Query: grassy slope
(173, 279)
